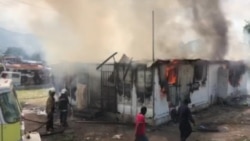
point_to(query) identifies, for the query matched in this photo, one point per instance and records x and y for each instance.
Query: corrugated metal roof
(25, 66)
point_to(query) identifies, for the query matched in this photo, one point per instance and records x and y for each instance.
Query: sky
(19, 15)
(16, 15)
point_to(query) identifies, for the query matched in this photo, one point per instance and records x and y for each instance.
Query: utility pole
(153, 37)
(153, 59)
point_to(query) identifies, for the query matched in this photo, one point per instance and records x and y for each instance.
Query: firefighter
(63, 107)
(185, 117)
(50, 109)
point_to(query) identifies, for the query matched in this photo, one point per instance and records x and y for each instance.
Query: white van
(14, 76)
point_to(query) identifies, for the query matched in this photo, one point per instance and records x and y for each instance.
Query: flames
(170, 72)
(171, 77)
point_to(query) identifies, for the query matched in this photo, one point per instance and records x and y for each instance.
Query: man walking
(63, 107)
(140, 126)
(185, 117)
(50, 108)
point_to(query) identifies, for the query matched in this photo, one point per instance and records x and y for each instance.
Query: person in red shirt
(140, 126)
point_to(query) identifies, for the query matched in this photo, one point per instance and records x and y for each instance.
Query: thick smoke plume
(210, 23)
(90, 30)
(87, 30)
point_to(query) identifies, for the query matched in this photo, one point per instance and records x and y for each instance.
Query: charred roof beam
(105, 61)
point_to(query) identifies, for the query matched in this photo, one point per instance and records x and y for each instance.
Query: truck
(12, 126)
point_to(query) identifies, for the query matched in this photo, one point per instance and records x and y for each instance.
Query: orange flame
(170, 72)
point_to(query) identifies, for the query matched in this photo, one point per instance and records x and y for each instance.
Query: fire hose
(41, 126)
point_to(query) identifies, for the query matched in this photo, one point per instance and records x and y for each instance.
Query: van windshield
(10, 108)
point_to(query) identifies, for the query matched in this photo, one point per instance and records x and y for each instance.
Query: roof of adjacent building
(25, 66)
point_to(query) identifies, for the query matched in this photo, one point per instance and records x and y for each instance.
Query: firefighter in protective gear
(63, 107)
(50, 109)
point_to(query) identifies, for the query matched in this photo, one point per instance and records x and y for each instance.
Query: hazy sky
(16, 14)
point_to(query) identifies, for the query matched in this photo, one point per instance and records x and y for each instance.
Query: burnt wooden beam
(105, 61)
(126, 71)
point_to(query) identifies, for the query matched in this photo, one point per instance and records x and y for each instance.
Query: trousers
(63, 118)
(141, 138)
(50, 122)
(185, 130)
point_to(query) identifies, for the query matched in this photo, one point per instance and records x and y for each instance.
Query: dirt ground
(234, 121)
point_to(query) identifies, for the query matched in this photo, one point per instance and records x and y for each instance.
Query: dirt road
(233, 123)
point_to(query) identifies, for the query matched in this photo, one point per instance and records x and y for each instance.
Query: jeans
(141, 138)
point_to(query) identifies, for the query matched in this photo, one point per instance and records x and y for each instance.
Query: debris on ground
(207, 127)
(217, 123)
(118, 136)
(238, 100)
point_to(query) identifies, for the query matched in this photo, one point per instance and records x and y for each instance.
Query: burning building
(123, 87)
(166, 83)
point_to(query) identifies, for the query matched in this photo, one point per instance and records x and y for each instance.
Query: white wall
(161, 109)
(207, 93)
(202, 98)
(129, 108)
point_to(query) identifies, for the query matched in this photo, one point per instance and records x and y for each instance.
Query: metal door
(185, 79)
(222, 83)
(108, 92)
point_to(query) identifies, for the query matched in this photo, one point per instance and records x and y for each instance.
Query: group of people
(184, 118)
(51, 103)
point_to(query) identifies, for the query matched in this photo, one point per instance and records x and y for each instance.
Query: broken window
(171, 75)
(200, 72)
(162, 78)
(144, 83)
(168, 73)
(168, 80)
(124, 80)
(236, 70)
